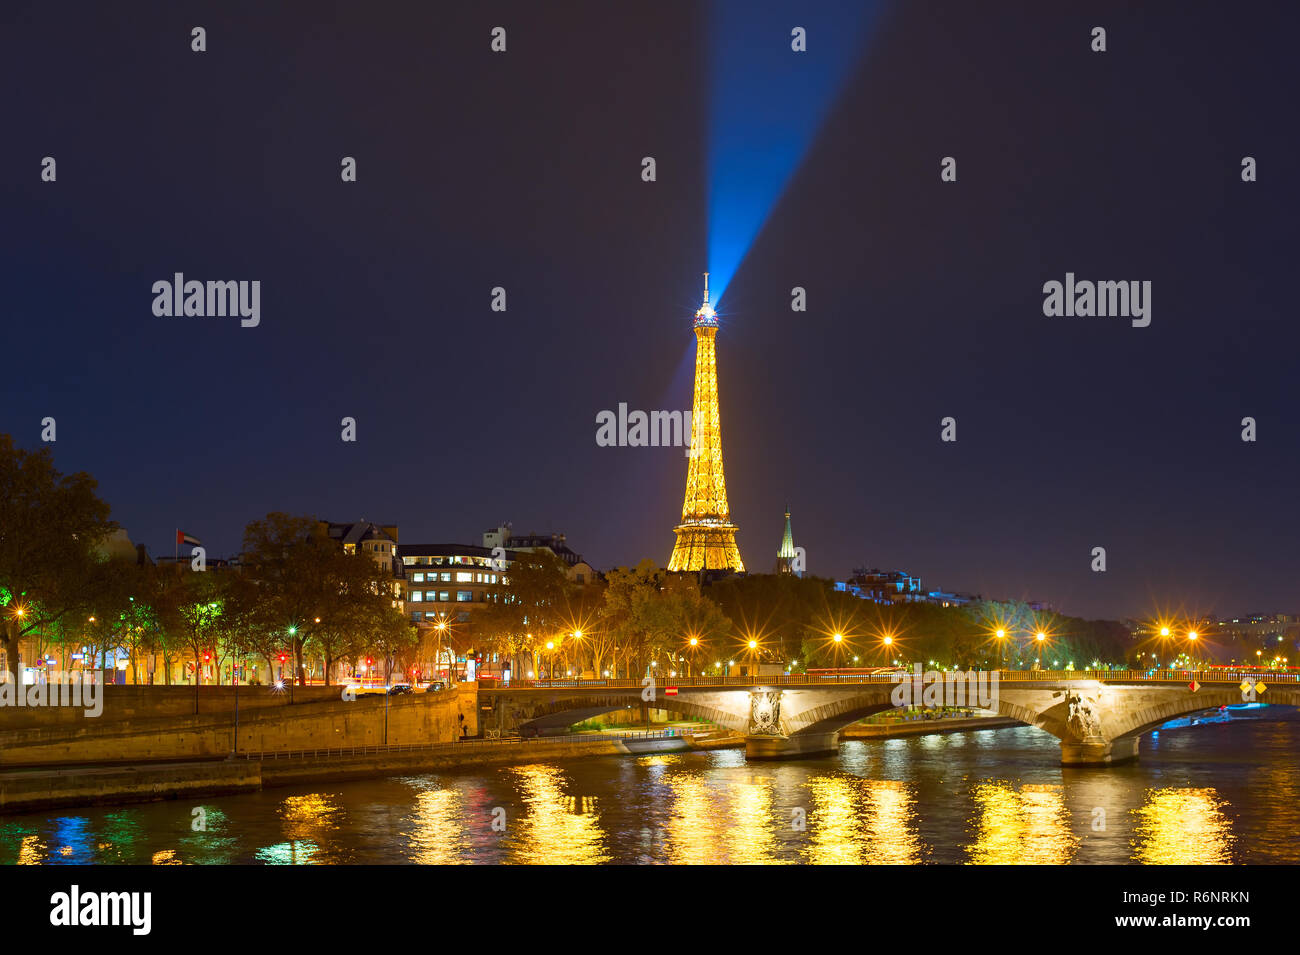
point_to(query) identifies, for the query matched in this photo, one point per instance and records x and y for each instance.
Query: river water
(1211, 793)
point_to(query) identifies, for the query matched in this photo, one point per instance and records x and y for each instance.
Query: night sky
(523, 170)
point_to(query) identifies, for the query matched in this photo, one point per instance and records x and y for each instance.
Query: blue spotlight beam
(767, 104)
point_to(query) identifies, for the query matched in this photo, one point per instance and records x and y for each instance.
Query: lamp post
(1001, 636)
(441, 628)
(1040, 637)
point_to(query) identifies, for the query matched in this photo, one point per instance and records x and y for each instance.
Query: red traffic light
(207, 658)
(283, 658)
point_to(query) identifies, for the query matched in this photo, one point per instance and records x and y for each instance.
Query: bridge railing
(1234, 677)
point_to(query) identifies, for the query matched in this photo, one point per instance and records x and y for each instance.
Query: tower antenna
(706, 288)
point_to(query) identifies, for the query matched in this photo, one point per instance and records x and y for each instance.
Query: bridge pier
(1100, 752)
(790, 747)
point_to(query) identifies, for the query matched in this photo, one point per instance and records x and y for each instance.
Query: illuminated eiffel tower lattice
(706, 538)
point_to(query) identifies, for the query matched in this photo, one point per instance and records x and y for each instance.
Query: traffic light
(283, 658)
(207, 658)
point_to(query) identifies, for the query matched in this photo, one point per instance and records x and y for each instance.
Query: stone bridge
(1098, 716)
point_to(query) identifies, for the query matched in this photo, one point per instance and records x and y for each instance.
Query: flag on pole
(184, 540)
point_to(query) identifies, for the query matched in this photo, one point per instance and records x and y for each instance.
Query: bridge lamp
(550, 644)
(753, 644)
(1000, 633)
(838, 638)
(1191, 635)
(889, 642)
(695, 641)
(1164, 631)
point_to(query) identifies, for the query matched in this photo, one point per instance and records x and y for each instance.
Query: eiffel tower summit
(706, 538)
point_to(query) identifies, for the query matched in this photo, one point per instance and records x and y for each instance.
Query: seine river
(1212, 793)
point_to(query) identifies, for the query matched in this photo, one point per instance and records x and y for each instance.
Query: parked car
(398, 689)
(435, 686)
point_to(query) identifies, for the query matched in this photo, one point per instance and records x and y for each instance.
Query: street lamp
(1040, 637)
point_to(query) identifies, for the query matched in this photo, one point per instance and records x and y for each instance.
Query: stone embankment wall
(144, 702)
(418, 718)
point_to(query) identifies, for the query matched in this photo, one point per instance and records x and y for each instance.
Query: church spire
(785, 557)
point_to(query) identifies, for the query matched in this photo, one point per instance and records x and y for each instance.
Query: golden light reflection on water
(438, 837)
(165, 857)
(1025, 826)
(836, 824)
(33, 851)
(862, 821)
(1182, 827)
(309, 824)
(555, 829)
(749, 832)
(707, 824)
(891, 824)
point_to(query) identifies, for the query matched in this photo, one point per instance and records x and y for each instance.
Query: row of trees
(641, 618)
(298, 594)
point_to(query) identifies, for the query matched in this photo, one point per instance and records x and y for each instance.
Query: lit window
(417, 578)
(444, 595)
(463, 595)
(464, 577)
(417, 596)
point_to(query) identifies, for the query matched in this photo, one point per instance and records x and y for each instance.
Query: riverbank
(28, 790)
(33, 789)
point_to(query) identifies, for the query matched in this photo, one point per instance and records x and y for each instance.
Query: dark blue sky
(523, 170)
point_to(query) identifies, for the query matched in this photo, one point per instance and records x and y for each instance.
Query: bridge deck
(1044, 677)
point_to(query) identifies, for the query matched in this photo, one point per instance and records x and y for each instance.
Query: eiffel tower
(706, 538)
